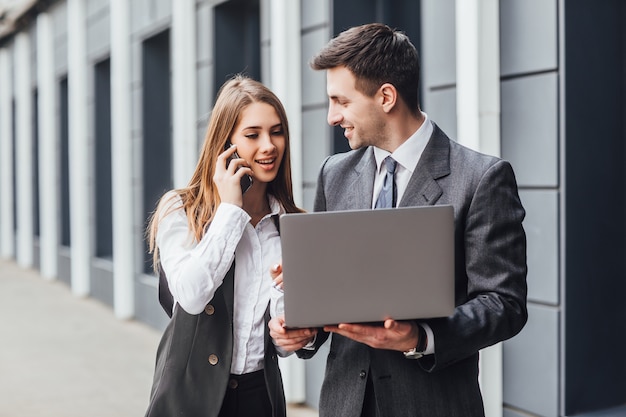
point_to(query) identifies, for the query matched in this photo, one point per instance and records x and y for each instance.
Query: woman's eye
(252, 136)
(278, 132)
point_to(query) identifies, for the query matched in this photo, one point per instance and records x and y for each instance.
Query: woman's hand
(227, 179)
(290, 340)
(276, 272)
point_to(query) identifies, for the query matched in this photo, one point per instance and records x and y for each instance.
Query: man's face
(360, 116)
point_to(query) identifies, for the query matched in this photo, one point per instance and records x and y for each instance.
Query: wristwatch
(418, 351)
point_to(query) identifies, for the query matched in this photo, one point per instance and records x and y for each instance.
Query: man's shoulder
(345, 160)
(462, 153)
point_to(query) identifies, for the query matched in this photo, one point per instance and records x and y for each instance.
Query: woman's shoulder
(170, 202)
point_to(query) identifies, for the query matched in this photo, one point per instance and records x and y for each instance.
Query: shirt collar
(275, 207)
(408, 154)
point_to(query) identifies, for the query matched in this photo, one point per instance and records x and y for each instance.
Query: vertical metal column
(286, 78)
(123, 156)
(7, 215)
(287, 85)
(24, 150)
(49, 148)
(184, 86)
(79, 162)
(478, 121)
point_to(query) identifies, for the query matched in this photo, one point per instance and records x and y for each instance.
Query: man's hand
(393, 335)
(289, 339)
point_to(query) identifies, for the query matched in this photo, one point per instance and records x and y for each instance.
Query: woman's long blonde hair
(200, 197)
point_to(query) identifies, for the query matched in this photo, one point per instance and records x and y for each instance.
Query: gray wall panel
(313, 82)
(313, 13)
(308, 198)
(204, 33)
(59, 18)
(542, 232)
(531, 363)
(102, 281)
(96, 6)
(438, 43)
(441, 108)
(65, 265)
(528, 41)
(32, 35)
(265, 13)
(205, 93)
(98, 35)
(314, 147)
(529, 128)
(139, 15)
(162, 9)
(137, 112)
(147, 307)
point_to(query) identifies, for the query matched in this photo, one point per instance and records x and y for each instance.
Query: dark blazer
(490, 283)
(194, 357)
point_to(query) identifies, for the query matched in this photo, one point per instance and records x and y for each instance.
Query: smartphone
(246, 180)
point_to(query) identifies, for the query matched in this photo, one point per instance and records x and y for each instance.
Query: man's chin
(354, 145)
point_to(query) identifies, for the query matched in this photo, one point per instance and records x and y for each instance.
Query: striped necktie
(387, 196)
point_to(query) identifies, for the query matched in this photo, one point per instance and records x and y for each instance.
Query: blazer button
(362, 374)
(209, 309)
(213, 359)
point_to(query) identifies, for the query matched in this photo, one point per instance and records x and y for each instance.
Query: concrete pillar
(286, 83)
(24, 150)
(7, 237)
(184, 87)
(123, 156)
(478, 127)
(286, 78)
(79, 156)
(48, 149)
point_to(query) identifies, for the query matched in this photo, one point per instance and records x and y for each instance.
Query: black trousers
(246, 396)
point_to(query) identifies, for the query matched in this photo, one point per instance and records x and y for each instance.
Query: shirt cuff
(311, 344)
(430, 346)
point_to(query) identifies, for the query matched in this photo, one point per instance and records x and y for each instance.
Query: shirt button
(209, 309)
(362, 374)
(213, 359)
(233, 384)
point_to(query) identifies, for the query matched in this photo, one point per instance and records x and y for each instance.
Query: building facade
(104, 103)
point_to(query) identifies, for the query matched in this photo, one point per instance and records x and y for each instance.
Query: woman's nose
(267, 144)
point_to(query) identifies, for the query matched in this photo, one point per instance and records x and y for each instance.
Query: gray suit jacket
(490, 283)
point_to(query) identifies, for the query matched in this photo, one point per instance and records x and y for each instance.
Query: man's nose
(334, 118)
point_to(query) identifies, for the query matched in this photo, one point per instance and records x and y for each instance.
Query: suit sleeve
(320, 193)
(490, 271)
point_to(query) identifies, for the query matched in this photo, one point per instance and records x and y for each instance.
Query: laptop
(367, 265)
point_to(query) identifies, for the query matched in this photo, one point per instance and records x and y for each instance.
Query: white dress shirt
(195, 270)
(407, 156)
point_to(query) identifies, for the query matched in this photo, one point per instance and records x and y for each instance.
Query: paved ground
(64, 356)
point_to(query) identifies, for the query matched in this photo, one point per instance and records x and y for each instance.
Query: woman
(216, 242)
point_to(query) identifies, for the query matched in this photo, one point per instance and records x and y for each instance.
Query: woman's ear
(388, 96)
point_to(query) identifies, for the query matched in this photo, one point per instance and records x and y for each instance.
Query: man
(417, 367)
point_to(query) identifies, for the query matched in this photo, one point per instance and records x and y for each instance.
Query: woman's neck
(256, 204)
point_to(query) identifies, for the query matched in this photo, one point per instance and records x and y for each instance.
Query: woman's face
(260, 140)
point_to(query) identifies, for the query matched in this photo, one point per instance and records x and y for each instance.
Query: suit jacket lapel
(361, 190)
(433, 164)
(228, 290)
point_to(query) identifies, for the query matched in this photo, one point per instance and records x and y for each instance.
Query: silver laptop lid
(368, 265)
